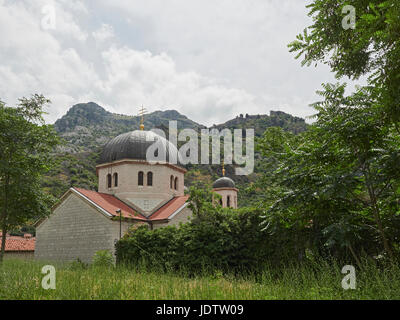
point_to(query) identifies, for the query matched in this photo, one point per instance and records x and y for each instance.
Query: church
(131, 190)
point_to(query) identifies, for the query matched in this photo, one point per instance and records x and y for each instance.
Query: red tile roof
(169, 208)
(110, 204)
(19, 244)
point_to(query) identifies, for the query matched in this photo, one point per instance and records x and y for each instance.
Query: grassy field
(22, 280)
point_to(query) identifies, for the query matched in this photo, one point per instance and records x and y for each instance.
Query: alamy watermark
(237, 148)
(49, 280)
(349, 281)
(48, 21)
(349, 21)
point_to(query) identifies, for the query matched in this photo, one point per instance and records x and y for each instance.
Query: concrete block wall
(75, 230)
(183, 216)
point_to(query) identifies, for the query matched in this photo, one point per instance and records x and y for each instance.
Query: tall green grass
(320, 280)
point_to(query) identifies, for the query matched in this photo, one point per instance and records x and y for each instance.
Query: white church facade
(131, 190)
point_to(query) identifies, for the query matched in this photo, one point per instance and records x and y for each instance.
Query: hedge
(221, 239)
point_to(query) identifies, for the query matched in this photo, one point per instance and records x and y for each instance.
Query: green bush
(215, 239)
(78, 264)
(103, 258)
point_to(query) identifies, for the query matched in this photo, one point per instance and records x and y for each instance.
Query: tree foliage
(338, 183)
(25, 146)
(340, 179)
(372, 49)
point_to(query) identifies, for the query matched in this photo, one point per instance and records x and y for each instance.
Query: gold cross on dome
(142, 112)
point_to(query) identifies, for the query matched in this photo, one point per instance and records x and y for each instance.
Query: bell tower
(225, 187)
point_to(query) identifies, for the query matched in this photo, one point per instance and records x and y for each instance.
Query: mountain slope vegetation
(87, 127)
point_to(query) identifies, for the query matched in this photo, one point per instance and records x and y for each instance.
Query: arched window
(228, 201)
(176, 183)
(115, 179)
(220, 202)
(171, 182)
(140, 178)
(149, 178)
(109, 181)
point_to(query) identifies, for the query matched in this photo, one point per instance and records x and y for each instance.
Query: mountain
(87, 127)
(261, 122)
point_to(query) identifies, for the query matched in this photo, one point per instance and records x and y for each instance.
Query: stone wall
(75, 230)
(183, 216)
(25, 255)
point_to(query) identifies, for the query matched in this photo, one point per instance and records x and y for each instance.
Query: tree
(26, 143)
(343, 172)
(372, 49)
(349, 161)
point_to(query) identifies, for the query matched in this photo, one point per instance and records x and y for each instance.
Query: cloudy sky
(210, 60)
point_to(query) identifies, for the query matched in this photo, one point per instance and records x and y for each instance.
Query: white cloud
(105, 32)
(122, 79)
(241, 44)
(135, 77)
(209, 60)
(36, 61)
(76, 6)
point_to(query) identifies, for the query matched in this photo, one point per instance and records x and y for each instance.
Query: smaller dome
(224, 182)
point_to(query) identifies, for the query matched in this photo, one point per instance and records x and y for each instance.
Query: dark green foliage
(20, 232)
(344, 174)
(337, 183)
(215, 239)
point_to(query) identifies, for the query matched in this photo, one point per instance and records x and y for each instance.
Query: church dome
(133, 145)
(224, 182)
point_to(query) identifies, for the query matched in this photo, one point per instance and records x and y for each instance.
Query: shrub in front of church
(214, 239)
(103, 258)
(78, 265)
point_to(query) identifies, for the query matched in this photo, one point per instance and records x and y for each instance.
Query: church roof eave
(126, 160)
(108, 205)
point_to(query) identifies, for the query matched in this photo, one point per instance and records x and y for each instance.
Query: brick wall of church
(75, 230)
(19, 255)
(183, 216)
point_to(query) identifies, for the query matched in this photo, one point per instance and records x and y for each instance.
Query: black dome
(133, 145)
(224, 182)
